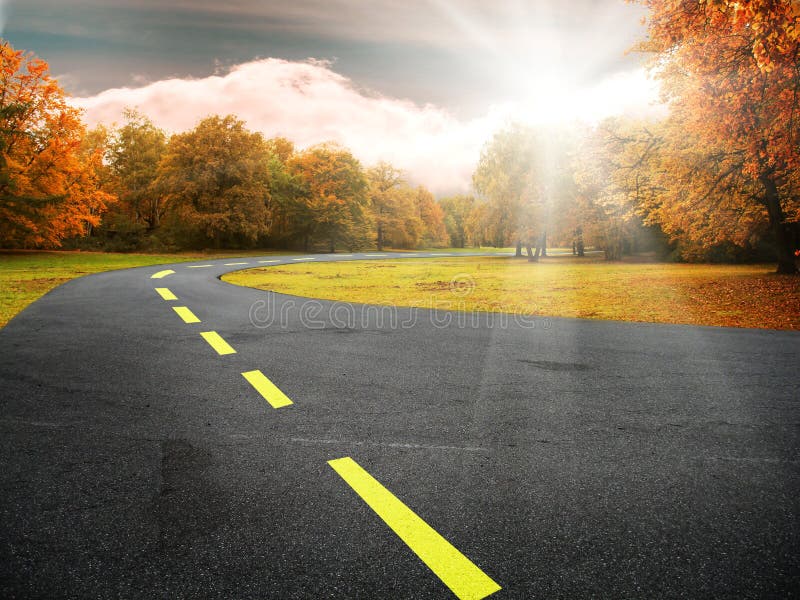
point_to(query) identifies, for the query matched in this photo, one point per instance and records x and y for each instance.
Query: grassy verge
(725, 295)
(26, 276)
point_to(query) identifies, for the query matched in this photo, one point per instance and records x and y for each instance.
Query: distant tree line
(223, 186)
(716, 179)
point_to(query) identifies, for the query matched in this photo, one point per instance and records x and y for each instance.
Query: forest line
(715, 179)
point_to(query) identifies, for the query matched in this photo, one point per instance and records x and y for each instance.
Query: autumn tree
(456, 212)
(730, 73)
(481, 227)
(332, 203)
(384, 183)
(502, 177)
(49, 187)
(431, 215)
(619, 182)
(214, 180)
(134, 154)
(523, 175)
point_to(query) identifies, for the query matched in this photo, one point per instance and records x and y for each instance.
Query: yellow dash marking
(455, 570)
(267, 389)
(305, 258)
(161, 274)
(198, 266)
(185, 314)
(374, 255)
(268, 261)
(166, 294)
(235, 264)
(217, 343)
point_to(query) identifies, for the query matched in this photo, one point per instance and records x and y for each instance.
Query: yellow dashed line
(268, 261)
(198, 266)
(267, 389)
(185, 314)
(166, 294)
(161, 274)
(235, 264)
(455, 570)
(374, 255)
(217, 343)
(305, 258)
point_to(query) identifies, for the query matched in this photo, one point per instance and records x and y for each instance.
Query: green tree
(134, 154)
(456, 212)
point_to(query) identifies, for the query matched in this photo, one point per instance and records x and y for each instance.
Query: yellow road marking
(267, 389)
(161, 274)
(198, 266)
(235, 264)
(166, 294)
(185, 314)
(268, 261)
(374, 255)
(455, 570)
(305, 258)
(217, 343)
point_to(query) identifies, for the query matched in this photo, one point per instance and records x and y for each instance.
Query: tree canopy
(49, 185)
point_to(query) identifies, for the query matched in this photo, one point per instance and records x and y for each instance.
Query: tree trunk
(783, 241)
(531, 258)
(519, 249)
(544, 243)
(380, 238)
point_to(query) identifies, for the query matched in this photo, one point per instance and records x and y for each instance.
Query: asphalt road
(558, 457)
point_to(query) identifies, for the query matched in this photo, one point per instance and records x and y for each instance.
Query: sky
(421, 83)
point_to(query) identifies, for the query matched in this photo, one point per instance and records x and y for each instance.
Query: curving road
(412, 453)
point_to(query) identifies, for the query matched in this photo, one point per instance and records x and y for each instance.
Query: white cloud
(309, 103)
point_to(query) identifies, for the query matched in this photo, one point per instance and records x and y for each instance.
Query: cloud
(308, 102)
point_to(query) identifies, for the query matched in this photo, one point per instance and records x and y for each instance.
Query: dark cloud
(463, 55)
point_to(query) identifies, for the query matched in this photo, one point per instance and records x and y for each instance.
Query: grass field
(725, 295)
(26, 276)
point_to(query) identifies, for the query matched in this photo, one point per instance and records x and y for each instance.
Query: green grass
(726, 295)
(27, 276)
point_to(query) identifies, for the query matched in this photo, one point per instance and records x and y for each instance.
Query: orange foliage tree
(331, 203)
(731, 75)
(49, 186)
